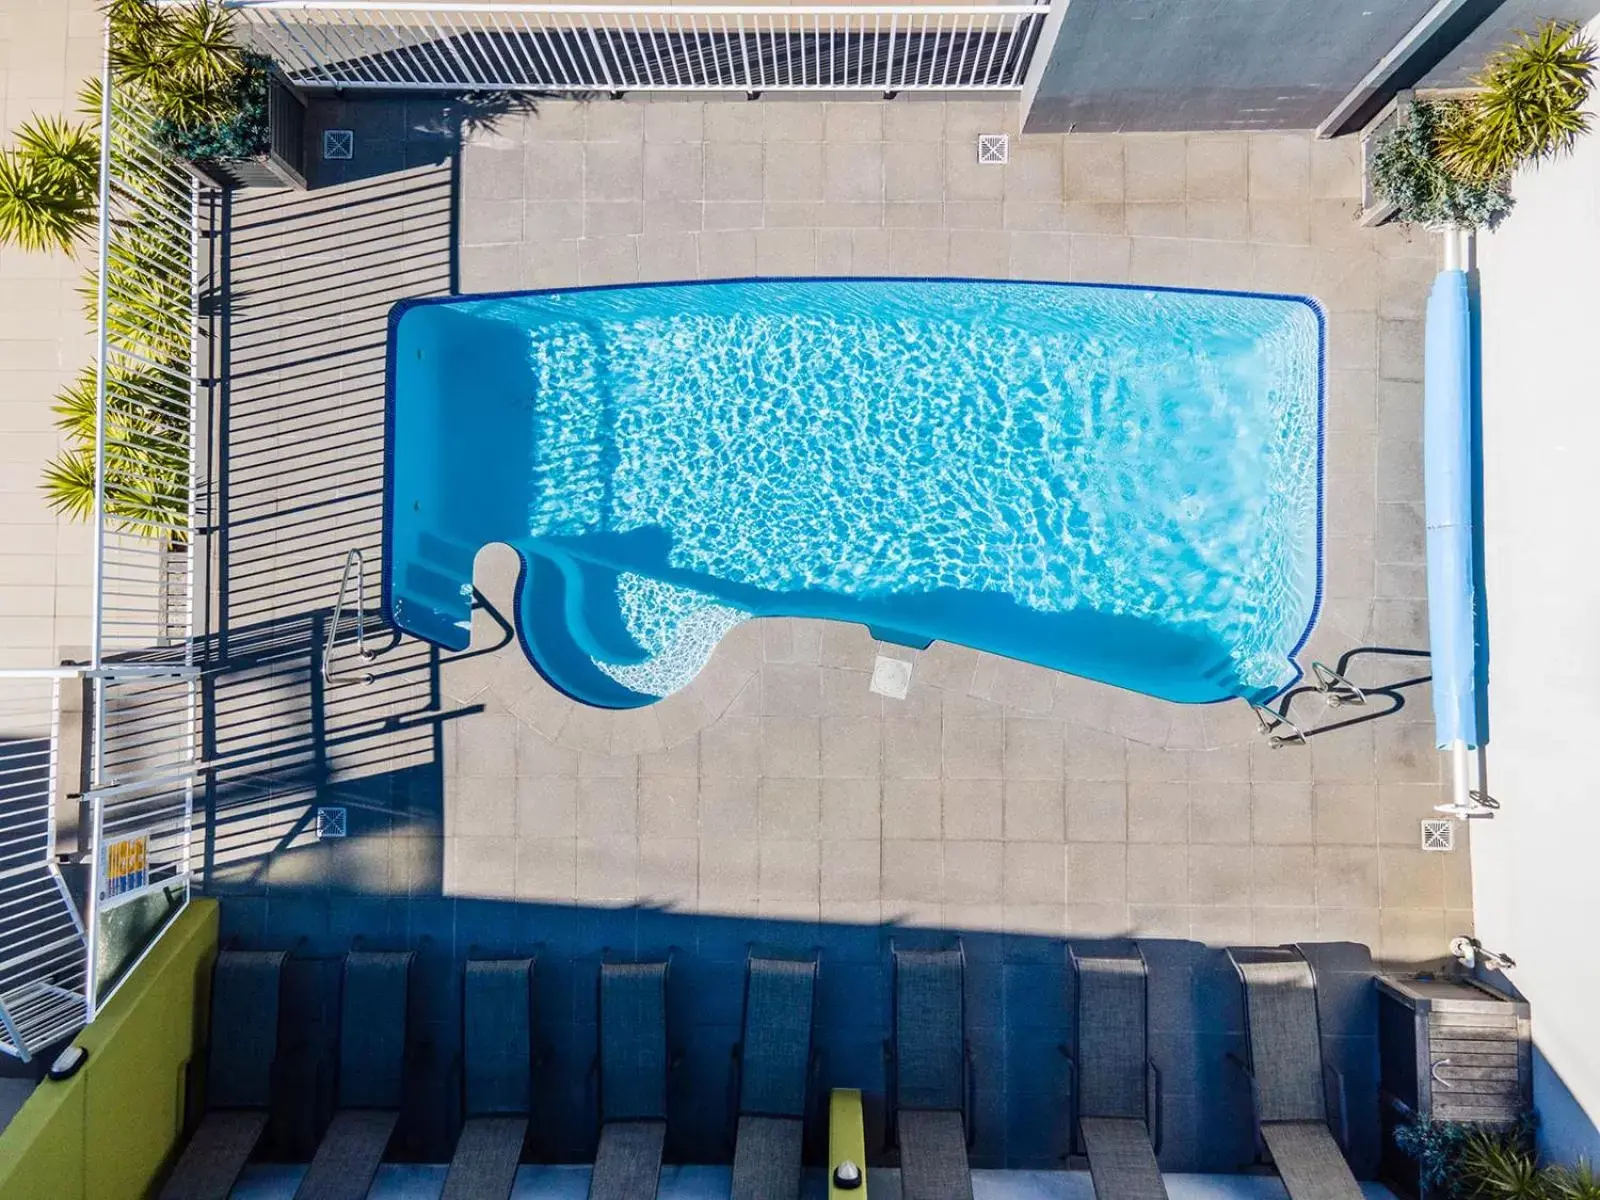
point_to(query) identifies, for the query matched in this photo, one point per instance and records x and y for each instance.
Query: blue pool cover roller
(1447, 461)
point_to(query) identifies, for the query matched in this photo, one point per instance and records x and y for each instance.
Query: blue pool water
(1121, 483)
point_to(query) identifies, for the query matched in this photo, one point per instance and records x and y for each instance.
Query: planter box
(1374, 209)
(284, 163)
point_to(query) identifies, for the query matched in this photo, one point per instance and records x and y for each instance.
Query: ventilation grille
(330, 823)
(1438, 836)
(338, 143)
(994, 148)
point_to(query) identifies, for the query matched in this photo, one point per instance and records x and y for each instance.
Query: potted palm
(220, 109)
(1448, 159)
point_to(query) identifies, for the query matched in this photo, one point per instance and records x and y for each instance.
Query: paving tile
(1158, 812)
(791, 747)
(1280, 167)
(912, 871)
(912, 808)
(850, 870)
(1035, 810)
(790, 809)
(1347, 876)
(546, 868)
(669, 872)
(789, 870)
(971, 748)
(1220, 876)
(973, 872)
(1158, 875)
(1096, 811)
(1216, 167)
(1222, 926)
(1092, 170)
(728, 872)
(729, 806)
(674, 121)
(1035, 873)
(607, 870)
(913, 171)
(1347, 814)
(853, 172)
(1156, 168)
(734, 121)
(851, 809)
(1100, 259)
(973, 809)
(1034, 748)
(1410, 877)
(669, 807)
(1283, 875)
(546, 807)
(912, 747)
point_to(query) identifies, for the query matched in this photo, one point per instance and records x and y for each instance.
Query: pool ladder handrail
(354, 563)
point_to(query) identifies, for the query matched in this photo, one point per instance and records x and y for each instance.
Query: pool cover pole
(1447, 482)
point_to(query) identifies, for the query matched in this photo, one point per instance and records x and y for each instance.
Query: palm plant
(1574, 1183)
(147, 489)
(1499, 1167)
(1530, 105)
(183, 58)
(49, 185)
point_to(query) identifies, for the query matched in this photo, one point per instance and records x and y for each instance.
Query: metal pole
(101, 304)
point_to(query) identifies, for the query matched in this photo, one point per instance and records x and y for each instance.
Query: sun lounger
(1287, 1079)
(633, 1081)
(244, 1043)
(929, 1060)
(774, 1069)
(1112, 1074)
(497, 1079)
(372, 1048)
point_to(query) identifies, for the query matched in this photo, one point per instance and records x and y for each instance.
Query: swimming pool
(1121, 483)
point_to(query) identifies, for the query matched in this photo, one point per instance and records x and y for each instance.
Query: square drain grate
(1439, 836)
(994, 148)
(338, 143)
(331, 823)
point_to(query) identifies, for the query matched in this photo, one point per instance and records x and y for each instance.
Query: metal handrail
(354, 563)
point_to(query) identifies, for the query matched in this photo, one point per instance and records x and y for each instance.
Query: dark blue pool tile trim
(402, 307)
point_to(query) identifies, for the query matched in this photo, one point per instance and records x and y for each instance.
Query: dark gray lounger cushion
(244, 1028)
(628, 1164)
(496, 1035)
(933, 1156)
(211, 1162)
(372, 1029)
(484, 1166)
(633, 1041)
(1121, 1162)
(777, 1038)
(348, 1157)
(766, 1158)
(1285, 1042)
(1308, 1160)
(1111, 1036)
(929, 1035)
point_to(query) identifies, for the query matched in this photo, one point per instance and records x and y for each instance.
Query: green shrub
(1407, 171)
(240, 132)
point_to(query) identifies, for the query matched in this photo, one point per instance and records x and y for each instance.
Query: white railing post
(101, 300)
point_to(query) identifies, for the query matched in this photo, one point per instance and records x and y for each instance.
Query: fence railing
(43, 968)
(60, 956)
(649, 47)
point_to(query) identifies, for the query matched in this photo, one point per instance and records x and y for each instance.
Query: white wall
(1536, 867)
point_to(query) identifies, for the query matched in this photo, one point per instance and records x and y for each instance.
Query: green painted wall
(109, 1131)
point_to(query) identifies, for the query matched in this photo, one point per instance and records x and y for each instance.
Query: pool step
(594, 616)
(560, 658)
